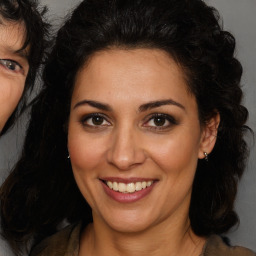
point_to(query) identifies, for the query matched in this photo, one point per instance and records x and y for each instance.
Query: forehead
(142, 74)
(12, 38)
(131, 63)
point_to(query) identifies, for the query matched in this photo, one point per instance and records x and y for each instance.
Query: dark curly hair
(41, 192)
(36, 37)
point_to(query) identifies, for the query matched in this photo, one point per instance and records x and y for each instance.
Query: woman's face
(13, 68)
(134, 138)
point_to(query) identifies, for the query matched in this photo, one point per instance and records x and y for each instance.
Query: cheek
(11, 90)
(86, 154)
(178, 153)
(10, 94)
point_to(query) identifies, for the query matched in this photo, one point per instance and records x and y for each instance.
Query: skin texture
(13, 68)
(128, 143)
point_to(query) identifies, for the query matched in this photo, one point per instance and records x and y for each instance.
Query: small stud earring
(68, 157)
(206, 156)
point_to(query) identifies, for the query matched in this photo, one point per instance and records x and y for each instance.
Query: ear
(209, 136)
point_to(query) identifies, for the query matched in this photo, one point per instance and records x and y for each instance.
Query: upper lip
(126, 180)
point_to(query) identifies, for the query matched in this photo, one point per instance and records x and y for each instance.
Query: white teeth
(115, 186)
(130, 187)
(149, 183)
(110, 185)
(138, 186)
(121, 187)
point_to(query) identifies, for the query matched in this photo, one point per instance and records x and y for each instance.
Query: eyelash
(172, 121)
(166, 118)
(94, 115)
(6, 62)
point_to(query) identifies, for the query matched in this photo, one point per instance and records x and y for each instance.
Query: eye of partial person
(11, 65)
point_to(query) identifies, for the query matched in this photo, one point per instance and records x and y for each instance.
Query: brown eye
(97, 120)
(159, 121)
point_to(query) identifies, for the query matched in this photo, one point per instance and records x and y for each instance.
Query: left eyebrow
(159, 103)
(22, 53)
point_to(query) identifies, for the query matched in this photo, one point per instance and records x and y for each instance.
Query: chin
(128, 222)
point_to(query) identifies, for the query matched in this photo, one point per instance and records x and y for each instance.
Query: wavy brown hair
(41, 192)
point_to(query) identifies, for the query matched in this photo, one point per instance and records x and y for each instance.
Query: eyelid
(3, 62)
(168, 117)
(88, 116)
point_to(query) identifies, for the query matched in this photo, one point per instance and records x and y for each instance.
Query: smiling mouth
(129, 187)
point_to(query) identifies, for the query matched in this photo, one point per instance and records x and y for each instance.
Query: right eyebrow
(94, 104)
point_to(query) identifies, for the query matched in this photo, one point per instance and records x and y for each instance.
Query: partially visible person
(23, 39)
(136, 139)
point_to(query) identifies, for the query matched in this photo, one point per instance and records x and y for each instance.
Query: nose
(126, 149)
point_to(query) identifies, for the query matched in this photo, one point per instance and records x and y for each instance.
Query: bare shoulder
(215, 246)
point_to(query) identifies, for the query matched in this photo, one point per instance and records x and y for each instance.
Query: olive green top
(66, 243)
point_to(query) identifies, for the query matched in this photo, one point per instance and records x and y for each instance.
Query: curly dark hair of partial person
(36, 37)
(41, 192)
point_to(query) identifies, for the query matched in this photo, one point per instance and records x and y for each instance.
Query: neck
(165, 239)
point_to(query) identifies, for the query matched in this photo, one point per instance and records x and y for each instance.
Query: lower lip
(127, 197)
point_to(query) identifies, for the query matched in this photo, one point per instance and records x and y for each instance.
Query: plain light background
(238, 18)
